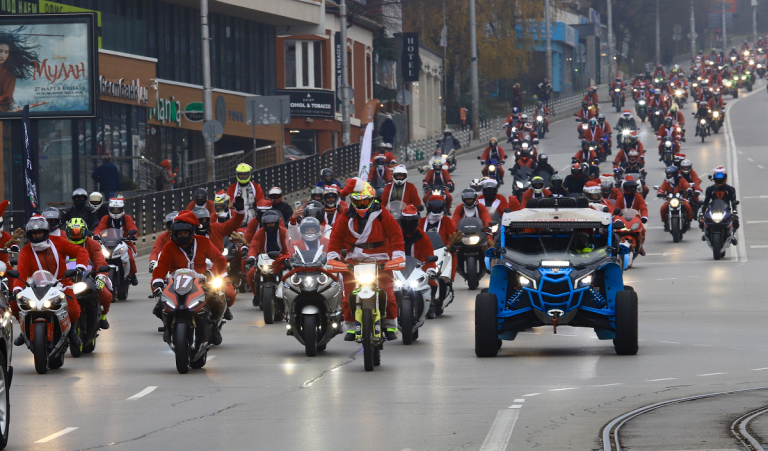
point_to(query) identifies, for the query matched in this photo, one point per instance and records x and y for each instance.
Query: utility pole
(547, 29)
(473, 72)
(725, 36)
(344, 75)
(754, 19)
(693, 31)
(444, 92)
(207, 94)
(612, 62)
(658, 34)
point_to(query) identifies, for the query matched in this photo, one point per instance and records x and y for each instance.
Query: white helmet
(593, 193)
(116, 207)
(399, 170)
(96, 200)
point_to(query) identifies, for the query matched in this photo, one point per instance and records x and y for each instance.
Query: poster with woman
(49, 63)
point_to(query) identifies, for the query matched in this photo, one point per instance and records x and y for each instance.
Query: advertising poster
(49, 63)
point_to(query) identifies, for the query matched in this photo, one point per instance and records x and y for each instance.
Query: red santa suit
(635, 202)
(499, 204)
(531, 194)
(445, 228)
(208, 206)
(125, 224)
(97, 260)
(445, 178)
(380, 172)
(680, 187)
(160, 243)
(478, 211)
(410, 195)
(486, 156)
(5, 237)
(258, 245)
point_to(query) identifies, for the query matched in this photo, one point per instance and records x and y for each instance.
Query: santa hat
(188, 217)
(356, 184)
(3, 205)
(436, 197)
(628, 178)
(221, 192)
(606, 175)
(410, 210)
(263, 204)
(593, 183)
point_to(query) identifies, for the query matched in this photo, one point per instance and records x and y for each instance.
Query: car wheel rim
(3, 403)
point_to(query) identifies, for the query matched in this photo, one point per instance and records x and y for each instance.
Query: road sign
(695, 35)
(212, 130)
(267, 111)
(676, 37)
(677, 29)
(350, 93)
(404, 97)
(581, 50)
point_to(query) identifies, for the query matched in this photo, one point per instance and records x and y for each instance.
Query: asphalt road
(702, 329)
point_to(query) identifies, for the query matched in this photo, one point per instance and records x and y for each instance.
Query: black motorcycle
(232, 254)
(470, 251)
(88, 326)
(656, 118)
(719, 223)
(522, 181)
(702, 128)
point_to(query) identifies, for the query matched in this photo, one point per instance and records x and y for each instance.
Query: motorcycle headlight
(674, 202)
(634, 227)
(748, 72)
(366, 278)
(703, 122)
(226, 252)
(471, 240)
(642, 102)
(679, 92)
(322, 279)
(32, 304)
(617, 90)
(194, 303)
(491, 168)
(105, 252)
(695, 84)
(80, 287)
(495, 228)
(216, 283)
(414, 283)
(519, 184)
(584, 127)
(118, 252)
(584, 281)
(295, 279)
(398, 284)
(526, 282)
(539, 118)
(716, 114)
(266, 268)
(717, 217)
(46, 304)
(743, 77)
(728, 84)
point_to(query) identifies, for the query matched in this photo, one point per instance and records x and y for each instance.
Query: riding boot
(19, 340)
(74, 340)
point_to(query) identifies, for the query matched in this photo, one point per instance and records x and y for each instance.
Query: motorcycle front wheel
(268, 304)
(40, 347)
(181, 347)
(406, 319)
(5, 406)
(309, 333)
(80, 328)
(368, 339)
(717, 245)
(472, 272)
(674, 227)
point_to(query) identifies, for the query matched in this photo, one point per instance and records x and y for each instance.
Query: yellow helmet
(362, 200)
(243, 173)
(77, 230)
(221, 202)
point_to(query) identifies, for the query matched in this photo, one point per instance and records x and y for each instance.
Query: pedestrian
(166, 177)
(108, 177)
(545, 91)
(388, 130)
(517, 97)
(463, 117)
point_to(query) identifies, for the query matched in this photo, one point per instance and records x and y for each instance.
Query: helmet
(633, 154)
(539, 104)
(720, 176)
(469, 197)
(399, 174)
(96, 200)
(169, 219)
(380, 160)
(543, 159)
(476, 184)
(437, 165)
(447, 132)
(515, 110)
(584, 104)
(116, 207)
(201, 197)
(673, 109)
(275, 195)
(686, 166)
(436, 204)
(592, 89)
(606, 184)
(270, 221)
(310, 229)
(493, 142)
(576, 170)
(77, 230)
(668, 121)
(523, 117)
(317, 194)
(262, 206)
(315, 209)
(221, 203)
(618, 78)
(409, 220)
(204, 217)
(671, 173)
(53, 216)
(585, 144)
(35, 224)
(331, 197)
(80, 197)
(490, 189)
(362, 200)
(327, 175)
(629, 185)
(626, 114)
(593, 122)
(385, 145)
(537, 184)
(243, 173)
(601, 118)
(592, 192)
(556, 182)
(183, 232)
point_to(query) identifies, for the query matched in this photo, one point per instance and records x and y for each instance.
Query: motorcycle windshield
(545, 175)
(411, 264)
(308, 258)
(436, 239)
(629, 213)
(718, 206)
(111, 237)
(182, 280)
(41, 279)
(396, 208)
(470, 226)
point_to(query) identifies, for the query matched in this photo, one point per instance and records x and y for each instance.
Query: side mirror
(344, 253)
(273, 255)
(656, 187)
(12, 274)
(133, 232)
(104, 268)
(478, 157)
(735, 203)
(535, 140)
(432, 259)
(493, 224)
(420, 208)
(70, 272)
(616, 211)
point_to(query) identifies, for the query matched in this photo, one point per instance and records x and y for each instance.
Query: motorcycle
(748, 80)
(470, 251)
(630, 235)
(617, 99)
(604, 150)
(413, 299)
(312, 298)
(44, 318)
(657, 118)
(680, 96)
(621, 175)
(492, 169)
(442, 295)
(641, 109)
(540, 125)
(116, 251)
(89, 324)
(668, 151)
(187, 317)
(521, 182)
(732, 86)
(232, 254)
(678, 224)
(583, 126)
(702, 128)
(716, 120)
(270, 293)
(718, 226)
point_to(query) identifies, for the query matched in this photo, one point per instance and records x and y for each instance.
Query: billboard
(48, 62)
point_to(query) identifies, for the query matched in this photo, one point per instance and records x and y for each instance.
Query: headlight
(743, 77)
(414, 283)
(584, 281)
(642, 102)
(322, 279)
(526, 282)
(674, 202)
(365, 278)
(216, 283)
(716, 114)
(194, 304)
(717, 217)
(491, 168)
(616, 90)
(295, 279)
(266, 268)
(471, 239)
(695, 84)
(634, 227)
(105, 252)
(495, 228)
(679, 92)
(584, 126)
(748, 72)
(539, 118)
(398, 284)
(703, 122)
(32, 304)
(46, 304)
(728, 84)
(80, 287)
(226, 251)
(118, 252)
(519, 184)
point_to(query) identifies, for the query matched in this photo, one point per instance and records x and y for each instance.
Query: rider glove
(239, 203)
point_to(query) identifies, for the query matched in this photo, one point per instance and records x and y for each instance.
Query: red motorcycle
(629, 227)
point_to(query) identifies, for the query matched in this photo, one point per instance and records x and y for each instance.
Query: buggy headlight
(365, 278)
(80, 287)
(743, 77)
(584, 281)
(717, 217)
(728, 84)
(471, 239)
(527, 282)
(674, 202)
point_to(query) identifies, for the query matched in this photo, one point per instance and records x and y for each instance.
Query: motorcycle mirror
(656, 187)
(709, 177)
(493, 224)
(432, 259)
(478, 157)
(344, 253)
(616, 211)
(70, 272)
(12, 274)
(420, 208)
(103, 268)
(133, 232)
(14, 261)
(735, 203)
(535, 140)
(273, 255)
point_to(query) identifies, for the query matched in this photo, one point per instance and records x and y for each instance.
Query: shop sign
(311, 103)
(166, 110)
(411, 62)
(133, 91)
(194, 112)
(236, 116)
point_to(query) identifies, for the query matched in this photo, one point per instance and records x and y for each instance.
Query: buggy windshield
(580, 247)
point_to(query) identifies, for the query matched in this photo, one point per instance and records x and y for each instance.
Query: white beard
(40, 247)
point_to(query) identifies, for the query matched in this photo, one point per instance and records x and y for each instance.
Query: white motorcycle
(116, 251)
(442, 295)
(412, 291)
(270, 290)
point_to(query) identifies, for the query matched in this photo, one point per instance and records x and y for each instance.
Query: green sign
(166, 110)
(194, 112)
(45, 7)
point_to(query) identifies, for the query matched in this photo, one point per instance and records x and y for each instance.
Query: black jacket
(388, 130)
(285, 210)
(87, 214)
(726, 193)
(575, 185)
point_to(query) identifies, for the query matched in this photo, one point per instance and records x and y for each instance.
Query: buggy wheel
(486, 325)
(625, 342)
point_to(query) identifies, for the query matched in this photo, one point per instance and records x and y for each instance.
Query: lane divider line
(532, 394)
(142, 393)
(710, 374)
(516, 406)
(519, 400)
(662, 379)
(501, 430)
(56, 435)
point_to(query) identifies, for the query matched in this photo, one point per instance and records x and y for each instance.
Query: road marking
(662, 379)
(669, 278)
(519, 400)
(759, 369)
(211, 357)
(563, 389)
(760, 166)
(501, 429)
(56, 435)
(750, 159)
(670, 342)
(610, 385)
(516, 406)
(740, 152)
(142, 393)
(758, 246)
(752, 197)
(532, 394)
(710, 374)
(662, 254)
(757, 222)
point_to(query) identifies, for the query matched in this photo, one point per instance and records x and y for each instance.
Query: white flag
(365, 153)
(444, 36)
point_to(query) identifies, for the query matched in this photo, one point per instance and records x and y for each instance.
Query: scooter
(718, 222)
(116, 251)
(412, 291)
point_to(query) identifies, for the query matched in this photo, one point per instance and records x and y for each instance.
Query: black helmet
(315, 209)
(437, 165)
(576, 170)
(584, 104)
(584, 144)
(436, 206)
(448, 132)
(270, 221)
(80, 197)
(409, 223)
(671, 172)
(204, 216)
(380, 160)
(668, 121)
(201, 197)
(629, 186)
(469, 197)
(543, 159)
(179, 227)
(555, 182)
(36, 224)
(490, 189)
(169, 219)
(53, 216)
(327, 175)
(317, 194)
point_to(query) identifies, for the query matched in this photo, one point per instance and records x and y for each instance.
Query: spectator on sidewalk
(108, 177)
(517, 97)
(388, 130)
(545, 91)
(166, 177)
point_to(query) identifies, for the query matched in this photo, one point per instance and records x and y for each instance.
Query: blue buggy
(555, 263)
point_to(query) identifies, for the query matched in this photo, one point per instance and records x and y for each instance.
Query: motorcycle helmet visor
(719, 178)
(183, 233)
(630, 186)
(270, 221)
(436, 206)
(409, 224)
(310, 229)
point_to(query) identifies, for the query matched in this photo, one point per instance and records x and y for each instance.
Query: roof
(556, 218)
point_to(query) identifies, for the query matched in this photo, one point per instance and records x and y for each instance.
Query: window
(303, 64)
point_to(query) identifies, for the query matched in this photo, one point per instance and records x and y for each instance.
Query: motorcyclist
(161, 240)
(379, 170)
(617, 83)
(633, 165)
(312, 238)
(544, 166)
(255, 224)
(249, 190)
(585, 112)
(271, 237)
(556, 187)
(187, 250)
(326, 179)
(605, 127)
(687, 172)
(630, 143)
(542, 111)
(594, 132)
(491, 199)
(435, 221)
(96, 201)
(675, 184)
(222, 205)
(607, 185)
(77, 233)
(676, 115)
(630, 198)
(659, 72)
(574, 183)
(524, 160)
(201, 200)
(316, 194)
(723, 191)
(641, 94)
(626, 122)
(716, 102)
(49, 253)
(470, 208)
(385, 150)
(496, 153)
(702, 112)
(276, 197)
(335, 207)
(400, 189)
(536, 190)
(668, 129)
(117, 219)
(80, 209)
(449, 142)
(511, 122)
(367, 231)
(657, 101)
(438, 176)
(591, 97)
(587, 152)
(53, 216)
(417, 244)
(594, 195)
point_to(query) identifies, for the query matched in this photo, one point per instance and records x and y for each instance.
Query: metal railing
(224, 166)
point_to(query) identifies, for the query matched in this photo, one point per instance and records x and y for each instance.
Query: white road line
(662, 379)
(563, 389)
(760, 166)
(752, 197)
(56, 435)
(211, 357)
(741, 153)
(710, 374)
(757, 222)
(670, 342)
(750, 159)
(532, 394)
(758, 246)
(516, 406)
(759, 369)
(498, 437)
(142, 393)
(669, 278)
(519, 400)
(610, 385)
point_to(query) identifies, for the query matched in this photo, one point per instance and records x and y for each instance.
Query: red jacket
(446, 228)
(125, 224)
(258, 193)
(528, 194)
(487, 154)
(94, 253)
(593, 134)
(160, 243)
(663, 131)
(258, 245)
(5, 237)
(430, 177)
(681, 187)
(679, 118)
(421, 249)
(208, 206)
(218, 230)
(580, 156)
(173, 258)
(56, 263)
(388, 155)
(711, 103)
(381, 228)
(638, 204)
(253, 226)
(514, 204)
(592, 99)
(374, 174)
(500, 203)
(482, 213)
(410, 195)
